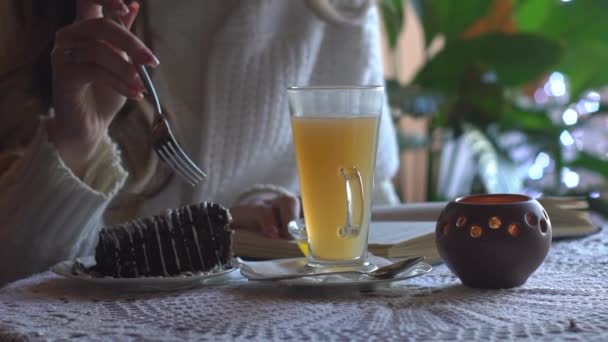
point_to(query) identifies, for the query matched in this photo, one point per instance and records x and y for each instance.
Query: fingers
(89, 9)
(287, 209)
(130, 18)
(104, 77)
(268, 223)
(268, 215)
(260, 218)
(102, 55)
(110, 32)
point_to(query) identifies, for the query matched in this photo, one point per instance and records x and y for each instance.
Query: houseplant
(482, 83)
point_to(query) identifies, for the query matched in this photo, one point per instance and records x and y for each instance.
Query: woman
(224, 66)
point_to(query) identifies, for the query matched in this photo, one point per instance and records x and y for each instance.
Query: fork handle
(143, 74)
(145, 77)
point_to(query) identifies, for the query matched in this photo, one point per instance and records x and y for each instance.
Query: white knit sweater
(225, 66)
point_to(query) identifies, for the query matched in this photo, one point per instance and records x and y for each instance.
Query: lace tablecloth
(566, 299)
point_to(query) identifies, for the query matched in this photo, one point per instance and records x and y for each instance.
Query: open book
(408, 230)
(569, 215)
(386, 239)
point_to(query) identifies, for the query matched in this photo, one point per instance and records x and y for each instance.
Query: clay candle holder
(493, 241)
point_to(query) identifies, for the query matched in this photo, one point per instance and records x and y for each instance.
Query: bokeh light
(570, 178)
(590, 103)
(570, 116)
(556, 85)
(543, 160)
(535, 172)
(566, 138)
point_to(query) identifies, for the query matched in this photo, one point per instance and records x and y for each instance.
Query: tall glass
(335, 131)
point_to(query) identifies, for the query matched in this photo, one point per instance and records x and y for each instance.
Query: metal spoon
(386, 272)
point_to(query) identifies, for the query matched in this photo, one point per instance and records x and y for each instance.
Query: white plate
(250, 270)
(65, 269)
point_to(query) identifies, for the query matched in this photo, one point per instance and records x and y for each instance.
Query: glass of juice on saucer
(335, 132)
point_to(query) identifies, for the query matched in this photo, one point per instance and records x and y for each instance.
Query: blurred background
(497, 96)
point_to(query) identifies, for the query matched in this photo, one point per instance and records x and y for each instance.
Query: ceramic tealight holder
(493, 241)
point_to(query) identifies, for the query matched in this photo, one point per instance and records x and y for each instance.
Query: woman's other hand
(92, 77)
(266, 212)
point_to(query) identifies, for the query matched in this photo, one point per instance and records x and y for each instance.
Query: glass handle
(354, 202)
(297, 229)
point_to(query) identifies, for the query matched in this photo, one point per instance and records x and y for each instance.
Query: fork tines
(175, 157)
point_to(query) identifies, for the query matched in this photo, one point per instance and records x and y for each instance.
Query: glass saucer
(256, 270)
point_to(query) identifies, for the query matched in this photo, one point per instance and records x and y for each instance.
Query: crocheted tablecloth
(566, 299)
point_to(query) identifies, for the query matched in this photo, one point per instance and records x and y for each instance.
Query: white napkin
(282, 267)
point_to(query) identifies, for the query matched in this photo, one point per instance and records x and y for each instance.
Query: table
(566, 299)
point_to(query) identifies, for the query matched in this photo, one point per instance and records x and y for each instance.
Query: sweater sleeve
(47, 214)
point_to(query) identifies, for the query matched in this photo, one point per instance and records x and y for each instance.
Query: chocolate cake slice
(195, 238)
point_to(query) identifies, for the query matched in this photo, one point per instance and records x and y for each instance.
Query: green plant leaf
(480, 101)
(392, 16)
(516, 59)
(430, 20)
(451, 17)
(531, 14)
(529, 121)
(566, 21)
(589, 162)
(581, 27)
(585, 66)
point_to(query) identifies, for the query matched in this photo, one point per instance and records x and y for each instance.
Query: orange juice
(324, 146)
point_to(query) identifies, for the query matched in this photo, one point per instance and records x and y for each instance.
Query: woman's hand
(92, 77)
(266, 212)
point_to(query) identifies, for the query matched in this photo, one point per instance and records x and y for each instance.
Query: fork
(163, 141)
